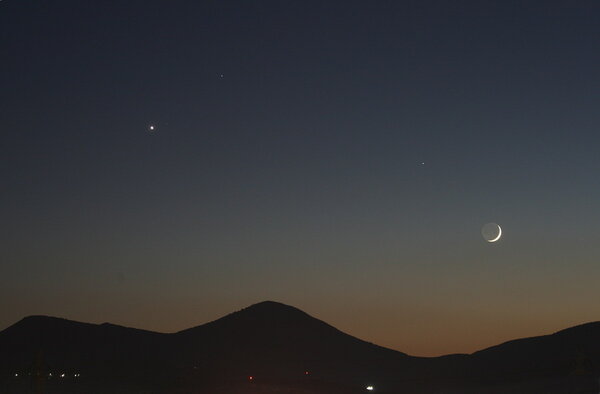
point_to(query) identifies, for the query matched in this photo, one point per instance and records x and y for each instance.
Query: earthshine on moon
(491, 232)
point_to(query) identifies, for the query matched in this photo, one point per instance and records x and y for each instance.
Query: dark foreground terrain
(274, 348)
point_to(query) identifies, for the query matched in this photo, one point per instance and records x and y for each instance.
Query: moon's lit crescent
(499, 234)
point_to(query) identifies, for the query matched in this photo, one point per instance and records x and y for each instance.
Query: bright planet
(491, 232)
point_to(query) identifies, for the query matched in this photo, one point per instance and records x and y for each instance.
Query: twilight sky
(338, 156)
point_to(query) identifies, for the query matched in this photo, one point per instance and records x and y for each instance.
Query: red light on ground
(250, 378)
(306, 372)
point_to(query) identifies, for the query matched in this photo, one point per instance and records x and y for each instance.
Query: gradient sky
(286, 164)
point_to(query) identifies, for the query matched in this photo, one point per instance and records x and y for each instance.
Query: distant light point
(370, 388)
(151, 127)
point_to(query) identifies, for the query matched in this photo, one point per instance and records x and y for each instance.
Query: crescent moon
(499, 234)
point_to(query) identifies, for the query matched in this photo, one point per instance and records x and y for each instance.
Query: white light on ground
(62, 375)
(370, 388)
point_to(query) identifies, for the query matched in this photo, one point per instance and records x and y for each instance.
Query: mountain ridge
(271, 307)
(277, 340)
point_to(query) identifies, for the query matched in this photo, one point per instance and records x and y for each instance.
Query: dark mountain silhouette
(572, 351)
(280, 346)
(272, 335)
